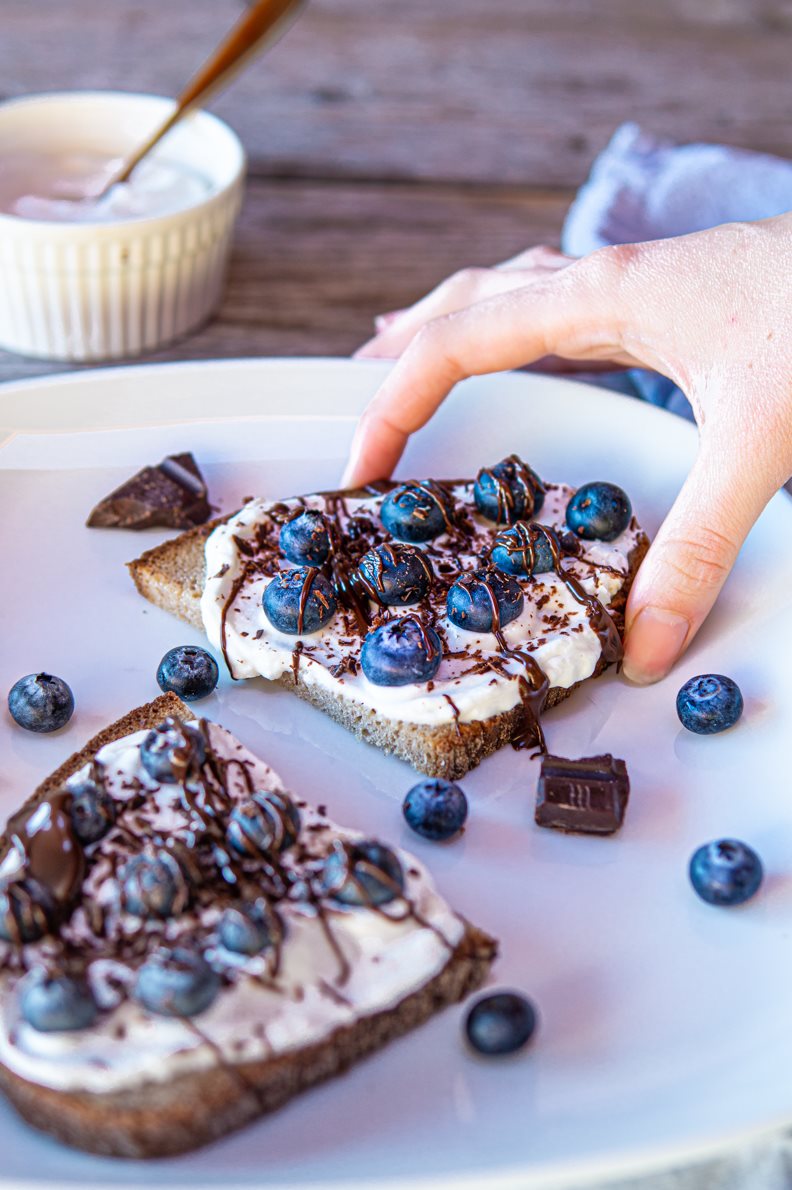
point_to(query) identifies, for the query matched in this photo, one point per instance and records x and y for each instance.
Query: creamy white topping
(553, 627)
(308, 997)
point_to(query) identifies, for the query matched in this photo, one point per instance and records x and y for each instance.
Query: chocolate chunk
(169, 496)
(588, 795)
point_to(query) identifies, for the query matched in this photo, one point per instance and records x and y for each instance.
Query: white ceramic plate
(665, 1023)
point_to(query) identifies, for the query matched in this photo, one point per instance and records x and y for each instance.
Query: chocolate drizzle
(305, 595)
(236, 587)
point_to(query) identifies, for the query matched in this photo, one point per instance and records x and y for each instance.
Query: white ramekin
(105, 291)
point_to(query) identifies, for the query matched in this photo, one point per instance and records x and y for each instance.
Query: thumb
(690, 559)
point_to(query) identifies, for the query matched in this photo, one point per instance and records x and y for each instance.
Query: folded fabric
(645, 188)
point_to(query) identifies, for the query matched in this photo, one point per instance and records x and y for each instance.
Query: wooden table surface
(393, 142)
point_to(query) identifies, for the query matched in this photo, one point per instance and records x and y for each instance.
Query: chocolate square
(587, 795)
(171, 495)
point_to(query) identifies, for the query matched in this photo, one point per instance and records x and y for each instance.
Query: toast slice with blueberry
(439, 618)
(180, 954)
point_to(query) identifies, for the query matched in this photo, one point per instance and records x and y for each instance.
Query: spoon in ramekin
(264, 23)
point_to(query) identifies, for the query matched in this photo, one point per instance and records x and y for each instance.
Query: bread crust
(159, 1119)
(172, 576)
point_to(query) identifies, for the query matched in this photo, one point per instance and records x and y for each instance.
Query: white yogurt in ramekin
(65, 187)
(89, 281)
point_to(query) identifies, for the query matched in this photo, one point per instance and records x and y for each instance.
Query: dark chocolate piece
(169, 496)
(588, 795)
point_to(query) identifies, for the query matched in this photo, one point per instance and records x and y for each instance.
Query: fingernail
(654, 642)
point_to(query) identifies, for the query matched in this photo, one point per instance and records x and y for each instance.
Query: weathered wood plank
(514, 91)
(314, 263)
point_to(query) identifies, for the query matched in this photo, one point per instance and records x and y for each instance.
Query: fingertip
(655, 640)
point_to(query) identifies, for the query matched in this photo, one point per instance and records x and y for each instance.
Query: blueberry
(154, 885)
(484, 601)
(526, 549)
(500, 1023)
(395, 574)
(266, 824)
(172, 751)
(41, 702)
(416, 512)
(400, 652)
(435, 809)
(725, 872)
(27, 911)
(365, 873)
(176, 982)
(305, 540)
(57, 1003)
(250, 928)
(299, 601)
(508, 491)
(709, 703)
(92, 811)
(188, 671)
(599, 511)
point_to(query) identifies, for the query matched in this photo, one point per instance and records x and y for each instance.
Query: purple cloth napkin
(644, 188)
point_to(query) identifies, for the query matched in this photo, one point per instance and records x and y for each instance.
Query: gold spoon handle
(247, 36)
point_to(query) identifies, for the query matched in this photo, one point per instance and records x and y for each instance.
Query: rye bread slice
(165, 1118)
(172, 576)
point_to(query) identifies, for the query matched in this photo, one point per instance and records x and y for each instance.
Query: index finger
(569, 314)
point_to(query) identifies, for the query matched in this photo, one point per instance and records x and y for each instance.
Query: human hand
(710, 310)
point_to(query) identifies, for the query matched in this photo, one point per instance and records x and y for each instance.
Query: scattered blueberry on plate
(188, 671)
(725, 872)
(500, 1023)
(305, 540)
(400, 652)
(57, 1003)
(435, 809)
(416, 512)
(709, 703)
(299, 601)
(41, 702)
(599, 511)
